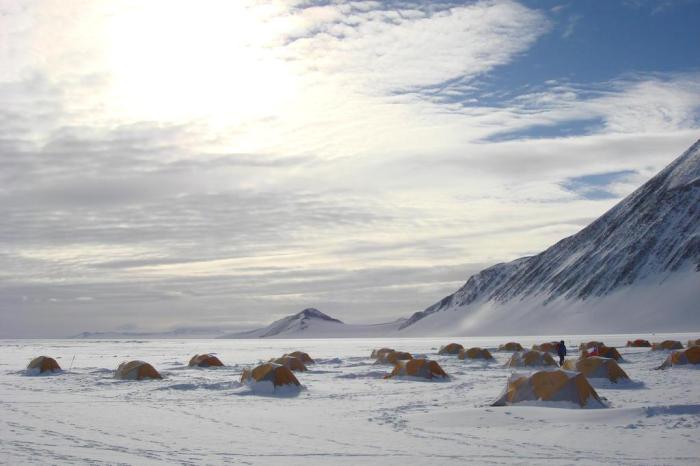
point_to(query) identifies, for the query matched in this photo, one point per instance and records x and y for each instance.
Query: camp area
(422, 405)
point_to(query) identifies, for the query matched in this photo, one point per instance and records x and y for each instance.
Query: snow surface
(345, 414)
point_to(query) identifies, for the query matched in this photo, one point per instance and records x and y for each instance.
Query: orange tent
(393, 357)
(424, 368)
(291, 363)
(595, 367)
(549, 347)
(475, 353)
(452, 348)
(678, 358)
(205, 360)
(590, 344)
(511, 346)
(530, 358)
(43, 364)
(304, 357)
(667, 345)
(136, 370)
(377, 353)
(270, 372)
(639, 343)
(549, 386)
(603, 352)
(693, 342)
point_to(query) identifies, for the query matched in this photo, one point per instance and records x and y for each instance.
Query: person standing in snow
(561, 351)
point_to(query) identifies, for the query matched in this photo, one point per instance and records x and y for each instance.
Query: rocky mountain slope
(646, 240)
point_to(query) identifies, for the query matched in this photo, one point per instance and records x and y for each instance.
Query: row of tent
(277, 370)
(566, 384)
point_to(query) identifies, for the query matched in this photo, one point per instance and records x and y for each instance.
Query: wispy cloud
(247, 159)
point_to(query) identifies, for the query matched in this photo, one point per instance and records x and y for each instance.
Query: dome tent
(557, 385)
(423, 368)
(595, 367)
(603, 352)
(511, 346)
(590, 344)
(452, 348)
(42, 364)
(275, 374)
(693, 342)
(205, 360)
(475, 353)
(136, 370)
(548, 347)
(667, 345)
(680, 358)
(304, 357)
(393, 357)
(530, 358)
(638, 343)
(290, 362)
(380, 352)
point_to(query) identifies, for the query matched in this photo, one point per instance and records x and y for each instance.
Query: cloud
(252, 159)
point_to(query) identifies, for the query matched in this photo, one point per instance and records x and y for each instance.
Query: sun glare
(175, 61)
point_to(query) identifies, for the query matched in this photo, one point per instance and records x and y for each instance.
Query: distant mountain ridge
(635, 268)
(312, 323)
(648, 236)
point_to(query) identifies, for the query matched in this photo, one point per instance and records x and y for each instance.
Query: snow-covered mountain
(312, 323)
(634, 268)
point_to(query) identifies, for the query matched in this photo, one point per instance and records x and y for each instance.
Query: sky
(217, 165)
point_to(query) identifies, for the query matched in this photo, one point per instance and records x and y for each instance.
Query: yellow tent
(291, 363)
(393, 357)
(475, 353)
(603, 352)
(452, 348)
(590, 344)
(679, 358)
(639, 343)
(136, 370)
(548, 347)
(377, 353)
(424, 368)
(305, 358)
(693, 342)
(595, 367)
(511, 346)
(549, 386)
(43, 364)
(530, 358)
(205, 360)
(667, 345)
(269, 372)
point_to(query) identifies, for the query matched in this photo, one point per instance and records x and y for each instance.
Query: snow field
(346, 413)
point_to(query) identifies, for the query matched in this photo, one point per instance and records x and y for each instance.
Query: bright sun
(171, 61)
